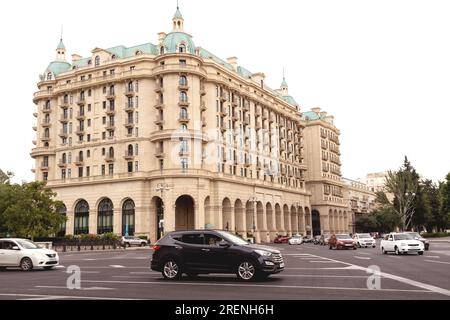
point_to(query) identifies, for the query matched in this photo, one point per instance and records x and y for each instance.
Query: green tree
(443, 218)
(422, 209)
(31, 211)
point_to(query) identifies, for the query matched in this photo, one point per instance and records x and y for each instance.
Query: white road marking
(250, 285)
(365, 253)
(322, 261)
(116, 266)
(82, 289)
(89, 259)
(403, 280)
(60, 297)
(362, 258)
(436, 257)
(438, 261)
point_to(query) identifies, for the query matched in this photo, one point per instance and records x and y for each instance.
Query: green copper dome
(57, 67)
(178, 14)
(284, 83)
(174, 39)
(61, 45)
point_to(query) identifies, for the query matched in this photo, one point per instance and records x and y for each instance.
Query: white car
(25, 254)
(133, 241)
(295, 240)
(364, 240)
(401, 243)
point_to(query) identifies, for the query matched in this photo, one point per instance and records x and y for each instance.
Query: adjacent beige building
(167, 136)
(330, 212)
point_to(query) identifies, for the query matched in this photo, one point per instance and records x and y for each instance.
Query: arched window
(80, 156)
(183, 96)
(184, 146)
(161, 50)
(138, 53)
(128, 212)
(47, 104)
(66, 98)
(183, 81)
(111, 152)
(183, 127)
(105, 217)
(62, 227)
(182, 48)
(49, 76)
(81, 222)
(64, 158)
(47, 133)
(183, 113)
(130, 86)
(47, 118)
(97, 61)
(130, 150)
(111, 90)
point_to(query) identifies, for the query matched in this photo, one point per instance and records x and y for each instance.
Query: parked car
(316, 239)
(341, 241)
(204, 252)
(307, 239)
(129, 241)
(295, 240)
(26, 255)
(364, 240)
(281, 239)
(323, 241)
(417, 236)
(401, 243)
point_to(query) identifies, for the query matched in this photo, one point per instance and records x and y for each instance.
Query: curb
(107, 250)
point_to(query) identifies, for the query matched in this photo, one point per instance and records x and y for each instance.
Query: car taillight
(156, 248)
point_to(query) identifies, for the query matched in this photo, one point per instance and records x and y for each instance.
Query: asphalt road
(312, 272)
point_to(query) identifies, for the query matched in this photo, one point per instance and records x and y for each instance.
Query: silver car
(128, 241)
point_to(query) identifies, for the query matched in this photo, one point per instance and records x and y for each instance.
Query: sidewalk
(121, 250)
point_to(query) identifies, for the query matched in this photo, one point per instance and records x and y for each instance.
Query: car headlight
(263, 253)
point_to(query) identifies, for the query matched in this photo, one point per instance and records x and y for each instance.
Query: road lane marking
(402, 279)
(251, 285)
(60, 297)
(335, 268)
(116, 266)
(365, 253)
(362, 258)
(436, 257)
(442, 262)
(322, 261)
(85, 289)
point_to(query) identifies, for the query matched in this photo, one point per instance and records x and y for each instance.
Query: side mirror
(15, 248)
(224, 244)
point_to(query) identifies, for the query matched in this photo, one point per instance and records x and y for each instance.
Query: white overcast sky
(381, 67)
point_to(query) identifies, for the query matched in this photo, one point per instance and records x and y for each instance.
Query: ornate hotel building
(160, 137)
(330, 211)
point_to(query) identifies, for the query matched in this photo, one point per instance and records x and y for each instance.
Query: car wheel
(48, 268)
(420, 253)
(26, 264)
(383, 251)
(354, 248)
(359, 245)
(143, 244)
(397, 251)
(171, 270)
(246, 271)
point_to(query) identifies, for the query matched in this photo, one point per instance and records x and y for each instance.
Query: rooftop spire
(61, 49)
(178, 21)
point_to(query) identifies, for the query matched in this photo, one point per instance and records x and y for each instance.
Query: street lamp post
(253, 199)
(160, 214)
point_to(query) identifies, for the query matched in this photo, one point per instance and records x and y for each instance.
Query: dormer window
(49, 76)
(97, 61)
(89, 62)
(138, 53)
(161, 50)
(182, 48)
(113, 57)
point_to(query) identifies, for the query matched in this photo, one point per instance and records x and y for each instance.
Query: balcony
(258, 113)
(62, 164)
(81, 102)
(130, 92)
(183, 119)
(129, 123)
(159, 121)
(265, 115)
(183, 87)
(223, 127)
(64, 104)
(203, 106)
(159, 105)
(235, 116)
(183, 153)
(159, 89)
(223, 97)
(63, 134)
(44, 166)
(110, 126)
(247, 121)
(283, 147)
(222, 112)
(111, 95)
(246, 107)
(129, 108)
(110, 111)
(45, 139)
(79, 161)
(46, 110)
(182, 103)
(281, 124)
(235, 102)
(159, 153)
(64, 119)
(109, 157)
(202, 90)
(80, 115)
(272, 118)
(128, 155)
(34, 128)
(258, 126)
(80, 131)
(204, 123)
(46, 123)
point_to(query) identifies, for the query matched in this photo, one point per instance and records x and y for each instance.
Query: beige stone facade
(165, 137)
(330, 212)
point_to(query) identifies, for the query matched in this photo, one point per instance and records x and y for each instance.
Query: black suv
(213, 251)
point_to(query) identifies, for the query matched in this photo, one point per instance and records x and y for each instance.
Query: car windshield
(414, 234)
(26, 244)
(234, 239)
(364, 236)
(296, 237)
(343, 237)
(403, 236)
